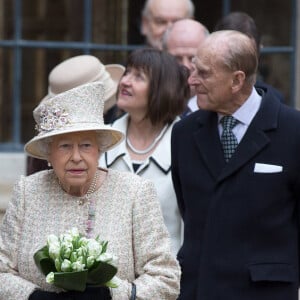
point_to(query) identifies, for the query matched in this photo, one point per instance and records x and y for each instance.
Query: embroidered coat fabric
(127, 215)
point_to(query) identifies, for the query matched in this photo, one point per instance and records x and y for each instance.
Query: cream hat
(83, 69)
(78, 109)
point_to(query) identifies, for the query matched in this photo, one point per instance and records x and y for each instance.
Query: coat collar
(255, 139)
(161, 155)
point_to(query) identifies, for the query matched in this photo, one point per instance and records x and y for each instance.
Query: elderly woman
(120, 207)
(153, 92)
(76, 71)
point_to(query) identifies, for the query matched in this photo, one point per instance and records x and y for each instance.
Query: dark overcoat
(241, 218)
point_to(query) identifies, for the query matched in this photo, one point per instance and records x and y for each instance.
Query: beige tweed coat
(127, 215)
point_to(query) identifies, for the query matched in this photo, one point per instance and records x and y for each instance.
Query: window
(36, 35)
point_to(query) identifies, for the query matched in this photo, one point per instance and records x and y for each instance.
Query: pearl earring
(49, 164)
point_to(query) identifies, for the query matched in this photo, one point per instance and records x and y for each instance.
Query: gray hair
(238, 53)
(191, 8)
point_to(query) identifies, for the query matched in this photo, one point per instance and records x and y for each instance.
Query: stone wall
(12, 165)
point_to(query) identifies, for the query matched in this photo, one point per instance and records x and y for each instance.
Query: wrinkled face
(183, 45)
(162, 14)
(133, 91)
(212, 81)
(184, 54)
(74, 157)
(184, 40)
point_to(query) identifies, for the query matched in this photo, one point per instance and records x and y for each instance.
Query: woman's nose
(76, 155)
(125, 80)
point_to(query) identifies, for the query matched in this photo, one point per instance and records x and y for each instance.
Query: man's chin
(157, 44)
(202, 101)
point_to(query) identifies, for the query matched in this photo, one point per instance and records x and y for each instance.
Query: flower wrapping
(72, 261)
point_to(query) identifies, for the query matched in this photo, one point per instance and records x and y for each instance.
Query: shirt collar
(192, 104)
(248, 110)
(161, 155)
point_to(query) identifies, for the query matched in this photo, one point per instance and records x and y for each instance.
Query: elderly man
(236, 173)
(158, 15)
(182, 40)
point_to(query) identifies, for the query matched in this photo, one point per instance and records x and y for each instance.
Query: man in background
(158, 15)
(182, 40)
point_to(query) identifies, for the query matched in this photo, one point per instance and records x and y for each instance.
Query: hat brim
(109, 138)
(116, 72)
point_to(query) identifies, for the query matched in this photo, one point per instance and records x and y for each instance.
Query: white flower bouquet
(72, 261)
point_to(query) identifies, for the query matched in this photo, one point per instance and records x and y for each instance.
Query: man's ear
(238, 80)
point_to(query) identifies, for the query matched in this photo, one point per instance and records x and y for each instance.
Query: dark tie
(228, 139)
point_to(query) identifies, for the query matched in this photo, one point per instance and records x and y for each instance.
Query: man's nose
(192, 80)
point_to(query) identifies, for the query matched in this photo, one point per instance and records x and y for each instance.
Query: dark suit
(241, 226)
(262, 85)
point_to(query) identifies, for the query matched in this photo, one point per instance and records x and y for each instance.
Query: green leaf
(104, 246)
(71, 281)
(111, 284)
(43, 261)
(100, 275)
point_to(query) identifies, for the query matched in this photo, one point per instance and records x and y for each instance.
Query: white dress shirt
(244, 115)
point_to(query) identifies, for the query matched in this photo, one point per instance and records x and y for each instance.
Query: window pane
(6, 19)
(55, 20)
(111, 57)
(274, 69)
(273, 19)
(110, 22)
(6, 91)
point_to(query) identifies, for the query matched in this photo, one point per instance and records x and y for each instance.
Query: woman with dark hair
(153, 92)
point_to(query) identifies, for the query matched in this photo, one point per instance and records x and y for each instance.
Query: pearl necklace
(93, 186)
(148, 149)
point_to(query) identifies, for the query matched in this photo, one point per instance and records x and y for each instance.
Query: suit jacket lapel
(252, 143)
(208, 140)
(255, 138)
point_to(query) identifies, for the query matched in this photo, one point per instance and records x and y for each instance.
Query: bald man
(158, 15)
(182, 40)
